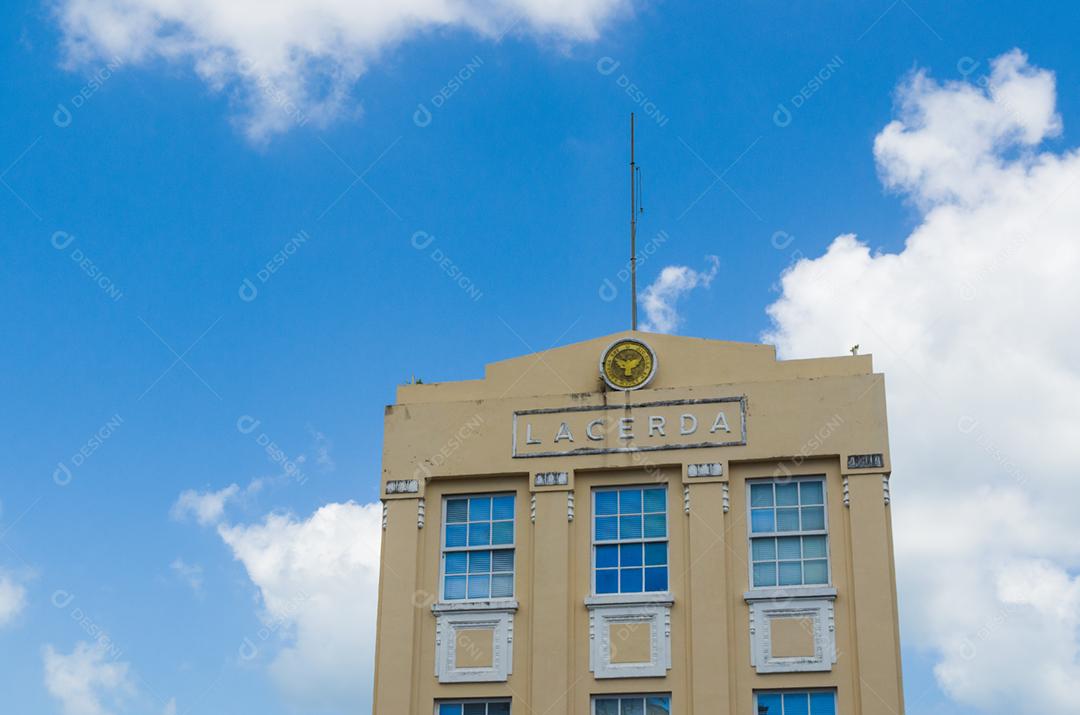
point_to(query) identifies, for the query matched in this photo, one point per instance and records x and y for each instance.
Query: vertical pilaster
(874, 595)
(707, 619)
(550, 606)
(399, 599)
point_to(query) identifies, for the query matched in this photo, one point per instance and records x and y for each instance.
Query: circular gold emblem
(628, 365)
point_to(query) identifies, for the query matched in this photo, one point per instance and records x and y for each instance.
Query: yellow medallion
(628, 365)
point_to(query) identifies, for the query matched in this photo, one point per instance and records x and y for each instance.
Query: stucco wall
(801, 418)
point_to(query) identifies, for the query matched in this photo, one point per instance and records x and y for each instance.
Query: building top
(685, 362)
(632, 400)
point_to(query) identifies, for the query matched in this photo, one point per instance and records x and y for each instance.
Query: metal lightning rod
(633, 231)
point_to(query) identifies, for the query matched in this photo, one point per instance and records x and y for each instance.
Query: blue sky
(156, 186)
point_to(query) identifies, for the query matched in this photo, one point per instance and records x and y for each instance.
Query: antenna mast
(633, 230)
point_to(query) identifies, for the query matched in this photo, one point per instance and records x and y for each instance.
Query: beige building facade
(640, 524)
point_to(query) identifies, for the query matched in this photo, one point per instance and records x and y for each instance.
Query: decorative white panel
(451, 618)
(604, 615)
(403, 486)
(818, 616)
(551, 479)
(711, 469)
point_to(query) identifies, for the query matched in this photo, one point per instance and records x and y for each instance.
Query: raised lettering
(625, 425)
(720, 423)
(564, 433)
(687, 424)
(528, 434)
(656, 423)
(589, 430)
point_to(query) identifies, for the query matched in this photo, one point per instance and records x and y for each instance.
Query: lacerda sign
(645, 427)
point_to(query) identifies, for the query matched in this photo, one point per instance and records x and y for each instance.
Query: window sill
(507, 605)
(663, 598)
(789, 593)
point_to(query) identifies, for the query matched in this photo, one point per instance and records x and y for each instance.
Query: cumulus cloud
(318, 585)
(973, 324)
(86, 681)
(660, 298)
(935, 158)
(291, 61)
(12, 598)
(208, 507)
(205, 507)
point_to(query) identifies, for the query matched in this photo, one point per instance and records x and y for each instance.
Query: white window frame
(792, 691)
(621, 696)
(751, 536)
(501, 547)
(666, 539)
(472, 701)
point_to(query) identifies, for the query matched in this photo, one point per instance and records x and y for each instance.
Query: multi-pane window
(788, 538)
(630, 540)
(796, 703)
(632, 705)
(478, 547)
(475, 707)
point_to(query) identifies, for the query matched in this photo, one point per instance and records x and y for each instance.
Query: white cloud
(946, 145)
(12, 598)
(674, 282)
(206, 507)
(293, 60)
(85, 681)
(322, 446)
(318, 581)
(973, 324)
(191, 574)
